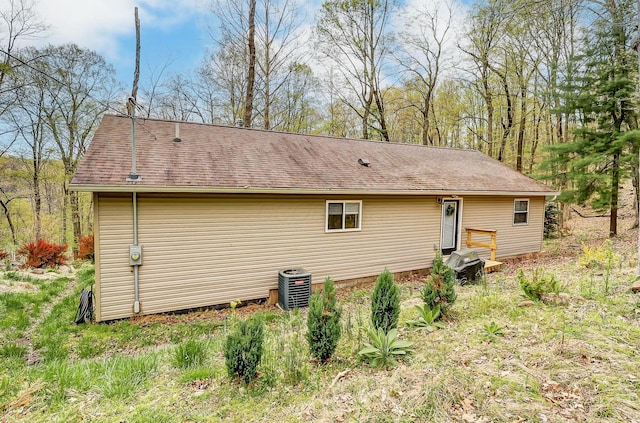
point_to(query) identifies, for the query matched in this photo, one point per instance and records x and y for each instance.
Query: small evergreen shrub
(439, 289)
(323, 322)
(385, 302)
(243, 349)
(41, 254)
(86, 248)
(539, 285)
(551, 221)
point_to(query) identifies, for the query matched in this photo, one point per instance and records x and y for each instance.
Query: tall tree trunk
(89, 219)
(636, 193)
(523, 121)
(488, 98)
(535, 141)
(65, 210)
(251, 72)
(267, 101)
(365, 115)
(37, 205)
(75, 220)
(425, 121)
(36, 162)
(383, 122)
(615, 188)
(7, 215)
(506, 127)
(365, 125)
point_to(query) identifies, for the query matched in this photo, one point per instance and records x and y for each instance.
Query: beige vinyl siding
(205, 250)
(496, 213)
(114, 278)
(96, 253)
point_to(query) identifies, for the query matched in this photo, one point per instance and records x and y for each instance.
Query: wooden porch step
(492, 266)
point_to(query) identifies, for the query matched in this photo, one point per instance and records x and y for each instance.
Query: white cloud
(98, 24)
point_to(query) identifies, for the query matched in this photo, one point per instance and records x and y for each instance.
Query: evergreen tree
(323, 322)
(385, 302)
(439, 288)
(243, 349)
(603, 103)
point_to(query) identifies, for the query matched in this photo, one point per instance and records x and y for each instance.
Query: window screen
(343, 215)
(521, 212)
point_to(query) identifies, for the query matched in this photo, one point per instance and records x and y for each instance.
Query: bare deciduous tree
(423, 57)
(354, 36)
(80, 90)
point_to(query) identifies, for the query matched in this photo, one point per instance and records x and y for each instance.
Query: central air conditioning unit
(294, 288)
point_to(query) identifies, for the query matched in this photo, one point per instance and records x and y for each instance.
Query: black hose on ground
(85, 309)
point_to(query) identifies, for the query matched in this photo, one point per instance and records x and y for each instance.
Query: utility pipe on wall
(136, 267)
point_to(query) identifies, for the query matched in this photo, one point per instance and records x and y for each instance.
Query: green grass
(550, 359)
(190, 354)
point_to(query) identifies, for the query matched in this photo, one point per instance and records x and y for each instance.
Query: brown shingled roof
(214, 158)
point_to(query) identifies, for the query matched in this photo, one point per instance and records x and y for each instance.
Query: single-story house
(209, 214)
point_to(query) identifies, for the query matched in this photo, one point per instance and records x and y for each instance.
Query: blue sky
(174, 33)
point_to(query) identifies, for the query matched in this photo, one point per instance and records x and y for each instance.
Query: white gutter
(294, 191)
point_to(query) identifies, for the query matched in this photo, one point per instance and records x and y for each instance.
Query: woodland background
(549, 87)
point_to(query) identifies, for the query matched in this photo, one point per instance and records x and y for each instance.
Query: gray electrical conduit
(136, 294)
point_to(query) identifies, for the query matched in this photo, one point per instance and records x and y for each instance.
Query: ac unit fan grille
(294, 288)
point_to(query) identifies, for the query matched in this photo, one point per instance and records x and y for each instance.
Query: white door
(450, 222)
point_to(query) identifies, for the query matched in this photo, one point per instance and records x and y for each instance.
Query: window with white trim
(343, 216)
(520, 212)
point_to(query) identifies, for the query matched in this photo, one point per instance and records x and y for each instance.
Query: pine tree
(385, 302)
(439, 289)
(602, 100)
(243, 349)
(323, 322)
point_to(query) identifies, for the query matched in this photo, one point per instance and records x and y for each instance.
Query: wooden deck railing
(493, 246)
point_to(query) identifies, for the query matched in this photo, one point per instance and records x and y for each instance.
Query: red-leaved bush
(3, 255)
(85, 247)
(41, 254)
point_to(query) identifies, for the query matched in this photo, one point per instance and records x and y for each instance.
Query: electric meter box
(135, 255)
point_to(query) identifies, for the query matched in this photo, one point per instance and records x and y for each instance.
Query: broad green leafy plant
(384, 349)
(427, 318)
(491, 331)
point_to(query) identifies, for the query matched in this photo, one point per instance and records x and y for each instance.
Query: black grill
(469, 267)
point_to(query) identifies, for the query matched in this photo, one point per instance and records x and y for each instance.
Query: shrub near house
(41, 254)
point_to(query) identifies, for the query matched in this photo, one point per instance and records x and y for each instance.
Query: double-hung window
(343, 216)
(520, 212)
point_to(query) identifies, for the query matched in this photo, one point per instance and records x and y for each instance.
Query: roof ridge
(271, 131)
